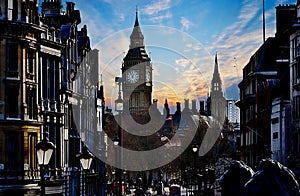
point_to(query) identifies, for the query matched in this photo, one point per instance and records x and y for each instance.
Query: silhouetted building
(216, 101)
(265, 78)
(294, 139)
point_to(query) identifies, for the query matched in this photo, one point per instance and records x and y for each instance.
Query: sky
(182, 38)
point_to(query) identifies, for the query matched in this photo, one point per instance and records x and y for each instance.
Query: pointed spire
(136, 17)
(216, 80)
(216, 64)
(136, 37)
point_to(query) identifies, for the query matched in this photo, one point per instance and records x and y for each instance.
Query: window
(32, 141)
(295, 75)
(12, 60)
(275, 135)
(274, 120)
(51, 78)
(216, 86)
(12, 100)
(14, 154)
(296, 109)
(31, 62)
(31, 102)
(296, 144)
(12, 9)
(45, 77)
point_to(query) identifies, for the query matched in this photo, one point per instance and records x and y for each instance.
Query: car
(175, 190)
(149, 192)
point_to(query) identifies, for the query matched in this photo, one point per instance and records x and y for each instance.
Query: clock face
(148, 77)
(132, 76)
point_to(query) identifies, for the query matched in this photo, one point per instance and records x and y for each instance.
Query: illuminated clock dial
(132, 76)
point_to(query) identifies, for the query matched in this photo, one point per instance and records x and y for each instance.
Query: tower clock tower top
(136, 37)
(137, 51)
(137, 71)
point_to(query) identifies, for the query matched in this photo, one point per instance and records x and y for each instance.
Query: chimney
(286, 15)
(155, 103)
(186, 104)
(178, 107)
(194, 110)
(70, 7)
(201, 106)
(166, 108)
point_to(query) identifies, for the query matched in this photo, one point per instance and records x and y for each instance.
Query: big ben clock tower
(137, 73)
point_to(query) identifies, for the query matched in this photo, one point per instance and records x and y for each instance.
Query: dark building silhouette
(294, 139)
(265, 78)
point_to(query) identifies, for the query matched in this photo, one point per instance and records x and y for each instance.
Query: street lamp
(119, 107)
(119, 103)
(86, 159)
(116, 140)
(44, 150)
(195, 148)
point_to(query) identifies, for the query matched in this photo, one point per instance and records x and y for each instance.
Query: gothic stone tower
(216, 101)
(137, 73)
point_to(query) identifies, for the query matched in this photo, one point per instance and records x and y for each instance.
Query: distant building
(216, 101)
(233, 116)
(233, 112)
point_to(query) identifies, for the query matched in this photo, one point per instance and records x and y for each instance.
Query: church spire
(216, 80)
(216, 70)
(136, 37)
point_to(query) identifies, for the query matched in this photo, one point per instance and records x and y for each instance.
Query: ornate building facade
(46, 65)
(20, 124)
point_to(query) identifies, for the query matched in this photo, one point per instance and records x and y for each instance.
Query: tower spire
(216, 70)
(136, 37)
(136, 17)
(216, 80)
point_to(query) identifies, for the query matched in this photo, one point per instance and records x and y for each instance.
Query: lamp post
(86, 159)
(195, 148)
(44, 150)
(119, 104)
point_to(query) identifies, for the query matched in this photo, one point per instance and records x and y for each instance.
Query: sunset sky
(182, 38)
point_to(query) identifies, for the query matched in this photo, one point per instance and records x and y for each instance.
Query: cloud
(282, 1)
(182, 62)
(156, 7)
(88, 15)
(160, 18)
(237, 42)
(185, 23)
